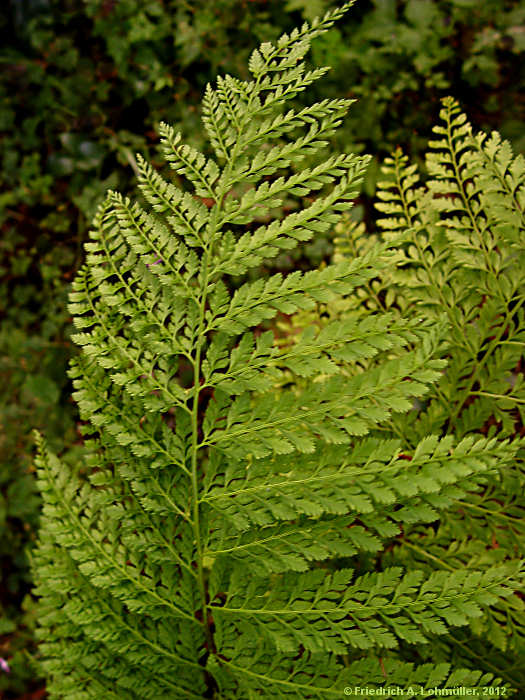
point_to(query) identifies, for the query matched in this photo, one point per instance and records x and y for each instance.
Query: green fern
(465, 257)
(197, 551)
(459, 253)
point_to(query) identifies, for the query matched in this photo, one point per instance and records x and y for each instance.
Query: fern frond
(195, 552)
(459, 240)
(463, 256)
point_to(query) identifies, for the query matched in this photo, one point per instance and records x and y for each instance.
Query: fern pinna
(197, 550)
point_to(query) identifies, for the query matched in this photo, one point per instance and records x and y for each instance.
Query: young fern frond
(193, 554)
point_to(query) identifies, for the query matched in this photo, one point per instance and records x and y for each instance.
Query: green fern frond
(464, 255)
(459, 251)
(195, 552)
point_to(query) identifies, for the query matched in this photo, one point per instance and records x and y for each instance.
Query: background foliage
(83, 86)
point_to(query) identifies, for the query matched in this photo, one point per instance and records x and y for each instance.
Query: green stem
(425, 553)
(497, 396)
(194, 453)
(200, 335)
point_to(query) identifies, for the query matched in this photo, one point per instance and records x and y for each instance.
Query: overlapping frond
(462, 236)
(464, 256)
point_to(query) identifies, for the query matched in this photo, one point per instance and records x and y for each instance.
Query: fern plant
(223, 536)
(460, 253)
(465, 255)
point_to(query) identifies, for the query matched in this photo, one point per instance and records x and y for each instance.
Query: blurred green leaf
(42, 388)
